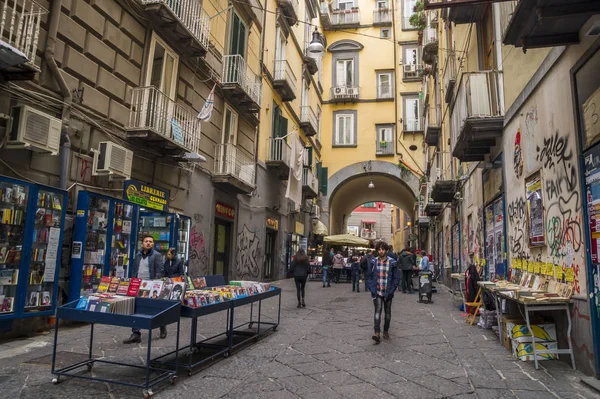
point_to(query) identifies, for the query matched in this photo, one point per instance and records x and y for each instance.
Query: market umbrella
(346, 239)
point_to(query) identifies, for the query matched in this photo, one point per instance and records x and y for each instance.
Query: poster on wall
(535, 211)
(499, 236)
(456, 248)
(489, 241)
(591, 120)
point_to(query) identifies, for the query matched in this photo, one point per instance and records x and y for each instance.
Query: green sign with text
(145, 195)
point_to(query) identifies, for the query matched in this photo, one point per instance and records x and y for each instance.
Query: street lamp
(371, 185)
(316, 45)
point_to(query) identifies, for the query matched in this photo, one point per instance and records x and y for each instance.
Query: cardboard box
(544, 332)
(524, 350)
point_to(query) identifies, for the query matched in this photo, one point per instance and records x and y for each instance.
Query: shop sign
(225, 211)
(272, 223)
(299, 228)
(145, 195)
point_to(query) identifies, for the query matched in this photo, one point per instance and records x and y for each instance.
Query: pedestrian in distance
(406, 266)
(424, 266)
(173, 265)
(338, 265)
(364, 265)
(300, 268)
(355, 265)
(326, 267)
(147, 265)
(392, 254)
(382, 280)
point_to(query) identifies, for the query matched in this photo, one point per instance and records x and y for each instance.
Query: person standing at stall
(300, 268)
(355, 274)
(173, 265)
(147, 265)
(406, 266)
(326, 267)
(382, 280)
(338, 265)
(364, 265)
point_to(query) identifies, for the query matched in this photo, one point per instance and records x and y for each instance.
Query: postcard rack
(149, 314)
(198, 353)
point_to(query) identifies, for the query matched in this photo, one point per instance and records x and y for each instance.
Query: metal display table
(149, 314)
(197, 353)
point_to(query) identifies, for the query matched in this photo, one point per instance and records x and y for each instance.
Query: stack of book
(106, 303)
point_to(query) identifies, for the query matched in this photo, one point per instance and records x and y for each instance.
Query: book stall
(32, 219)
(150, 304)
(534, 287)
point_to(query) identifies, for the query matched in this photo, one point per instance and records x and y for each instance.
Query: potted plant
(383, 144)
(419, 20)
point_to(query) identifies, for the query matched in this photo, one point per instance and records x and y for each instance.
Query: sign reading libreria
(145, 195)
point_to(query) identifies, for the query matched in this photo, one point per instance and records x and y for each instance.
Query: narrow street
(322, 351)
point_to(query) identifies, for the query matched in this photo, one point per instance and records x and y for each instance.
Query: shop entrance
(270, 249)
(221, 249)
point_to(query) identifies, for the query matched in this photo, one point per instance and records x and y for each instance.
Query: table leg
(55, 342)
(251, 313)
(535, 359)
(259, 313)
(569, 337)
(91, 341)
(231, 318)
(177, 346)
(148, 358)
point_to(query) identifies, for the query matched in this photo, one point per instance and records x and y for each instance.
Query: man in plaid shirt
(382, 281)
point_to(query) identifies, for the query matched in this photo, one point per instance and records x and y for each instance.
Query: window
(412, 114)
(385, 33)
(162, 70)
(344, 133)
(280, 45)
(345, 72)
(369, 205)
(230, 126)
(410, 61)
(280, 123)
(382, 4)
(407, 11)
(385, 133)
(237, 43)
(345, 4)
(319, 124)
(384, 85)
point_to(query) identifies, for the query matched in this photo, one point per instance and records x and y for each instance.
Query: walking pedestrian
(355, 274)
(300, 267)
(392, 254)
(382, 280)
(147, 265)
(364, 265)
(173, 266)
(424, 266)
(406, 265)
(338, 265)
(326, 264)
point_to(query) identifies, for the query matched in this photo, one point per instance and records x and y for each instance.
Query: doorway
(221, 248)
(270, 249)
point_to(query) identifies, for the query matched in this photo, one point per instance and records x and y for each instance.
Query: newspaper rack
(197, 353)
(149, 314)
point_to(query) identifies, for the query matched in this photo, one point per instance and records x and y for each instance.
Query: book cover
(156, 289)
(166, 291)
(104, 307)
(199, 282)
(145, 287)
(93, 303)
(7, 305)
(178, 291)
(134, 286)
(45, 298)
(114, 285)
(83, 303)
(123, 287)
(33, 299)
(104, 284)
(126, 226)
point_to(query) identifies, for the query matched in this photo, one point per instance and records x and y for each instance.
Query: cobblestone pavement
(322, 351)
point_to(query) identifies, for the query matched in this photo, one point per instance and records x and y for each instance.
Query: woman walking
(326, 264)
(338, 265)
(300, 266)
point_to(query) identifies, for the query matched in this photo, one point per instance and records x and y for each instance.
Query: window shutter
(323, 181)
(309, 151)
(318, 171)
(276, 121)
(283, 126)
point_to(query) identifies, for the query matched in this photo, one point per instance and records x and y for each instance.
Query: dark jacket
(355, 265)
(406, 260)
(173, 268)
(392, 255)
(393, 278)
(327, 260)
(364, 263)
(300, 270)
(155, 264)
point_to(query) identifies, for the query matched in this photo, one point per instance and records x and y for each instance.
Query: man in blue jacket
(382, 281)
(147, 265)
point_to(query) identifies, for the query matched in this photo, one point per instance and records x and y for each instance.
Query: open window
(162, 68)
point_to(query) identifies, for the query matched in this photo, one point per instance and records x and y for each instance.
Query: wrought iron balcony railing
(279, 150)
(384, 148)
(235, 71)
(308, 120)
(233, 161)
(382, 16)
(345, 17)
(309, 180)
(152, 110)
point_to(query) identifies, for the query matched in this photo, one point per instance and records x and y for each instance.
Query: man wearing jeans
(147, 265)
(382, 280)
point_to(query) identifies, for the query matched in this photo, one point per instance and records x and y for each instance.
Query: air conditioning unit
(409, 68)
(112, 160)
(34, 130)
(352, 91)
(339, 91)
(315, 212)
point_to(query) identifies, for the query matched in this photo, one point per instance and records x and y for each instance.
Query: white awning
(319, 228)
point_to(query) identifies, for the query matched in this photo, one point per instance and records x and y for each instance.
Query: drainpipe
(498, 51)
(65, 142)
(262, 58)
(396, 120)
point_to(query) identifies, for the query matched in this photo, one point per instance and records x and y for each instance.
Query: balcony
(412, 72)
(325, 14)
(382, 17)
(308, 121)
(240, 85)
(342, 19)
(278, 157)
(430, 45)
(459, 11)
(443, 189)
(477, 117)
(433, 125)
(19, 36)
(309, 60)
(284, 81)
(449, 77)
(290, 10)
(310, 184)
(536, 23)
(344, 94)
(184, 22)
(384, 148)
(412, 126)
(234, 169)
(157, 120)
(433, 209)
(368, 235)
